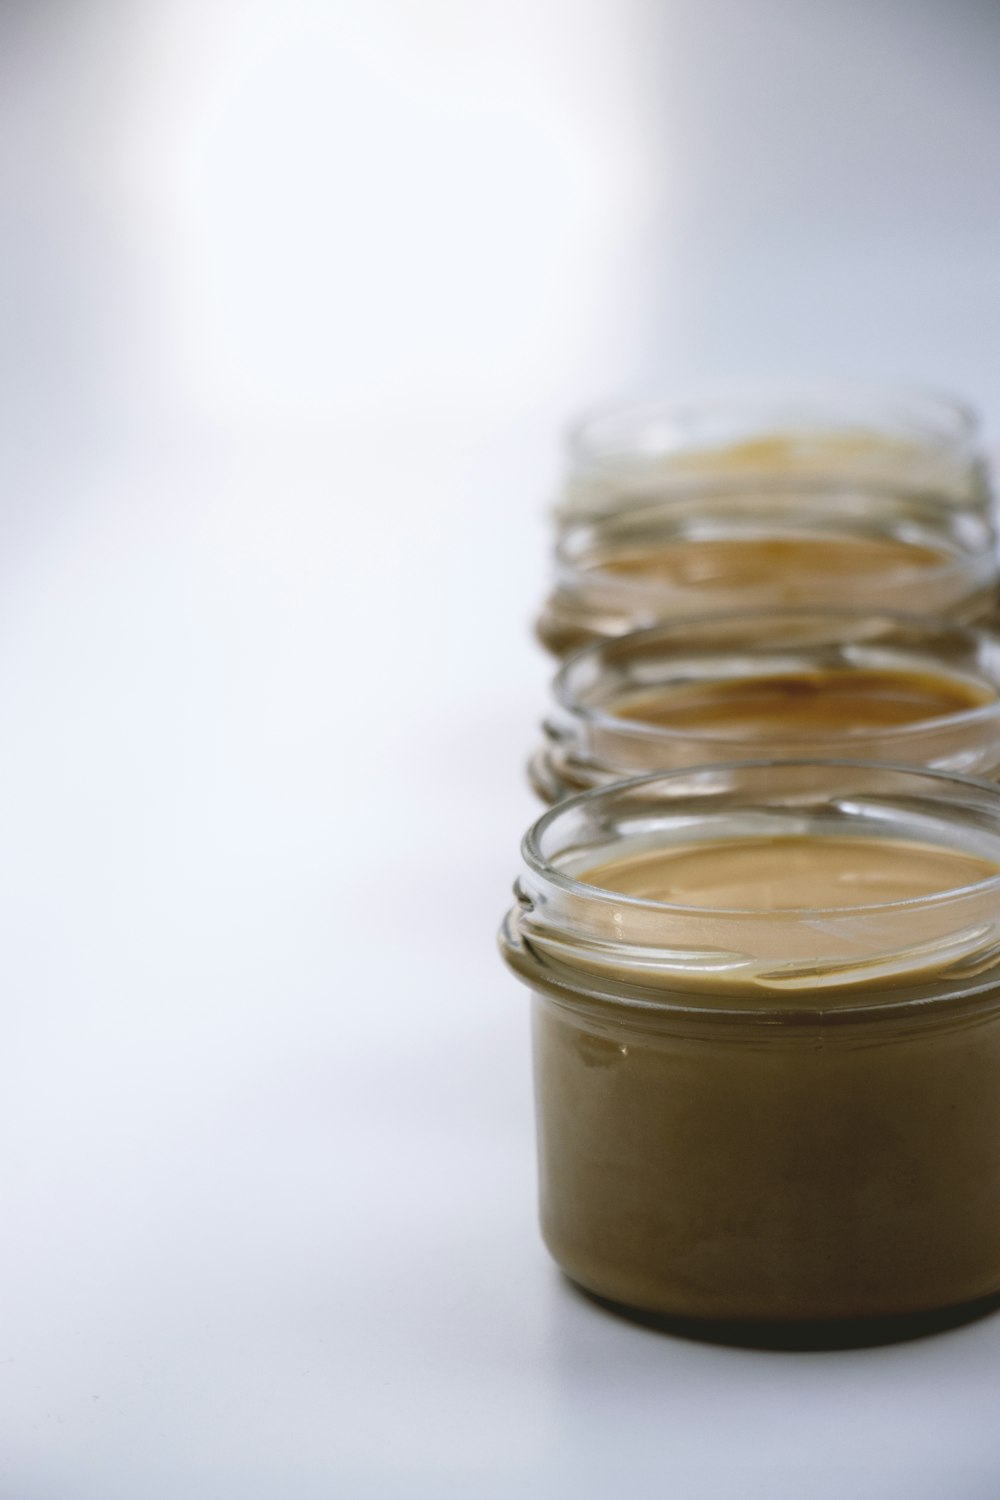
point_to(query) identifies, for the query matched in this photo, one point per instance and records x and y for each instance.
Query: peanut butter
(790, 567)
(789, 874)
(790, 705)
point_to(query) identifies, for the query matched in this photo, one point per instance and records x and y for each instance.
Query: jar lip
(674, 508)
(599, 718)
(955, 422)
(550, 875)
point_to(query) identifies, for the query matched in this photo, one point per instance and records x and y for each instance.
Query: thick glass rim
(598, 718)
(951, 420)
(670, 511)
(552, 876)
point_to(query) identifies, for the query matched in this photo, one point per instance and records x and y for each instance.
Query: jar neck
(571, 937)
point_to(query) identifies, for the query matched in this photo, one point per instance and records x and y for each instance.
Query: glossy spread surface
(790, 874)
(774, 705)
(788, 562)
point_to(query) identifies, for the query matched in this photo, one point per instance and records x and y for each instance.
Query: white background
(295, 300)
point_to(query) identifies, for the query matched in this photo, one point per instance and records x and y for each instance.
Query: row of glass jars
(839, 497)
(727, 575)
(769, 606)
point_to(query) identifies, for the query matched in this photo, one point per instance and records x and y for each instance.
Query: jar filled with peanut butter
(718, 549)
(785, 683)
(766, 1005)
(856, 434)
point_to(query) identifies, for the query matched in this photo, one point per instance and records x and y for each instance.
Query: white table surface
(267, 1220)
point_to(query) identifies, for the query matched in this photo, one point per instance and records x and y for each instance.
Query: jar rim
(674, 509)
(551, 875)
(599, 718)
(583, 944)
(955, 421)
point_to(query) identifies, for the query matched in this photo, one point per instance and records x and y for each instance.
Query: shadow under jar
(788, 683)
(828, 432)
(767, 1040)
(716, 550)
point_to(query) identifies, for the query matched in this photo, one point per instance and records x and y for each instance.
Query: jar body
(766, 1013)
(810, 1172)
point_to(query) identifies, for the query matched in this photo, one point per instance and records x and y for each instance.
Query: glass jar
(854, 434)
(718, 550)
(783, 683)
(767, 1039)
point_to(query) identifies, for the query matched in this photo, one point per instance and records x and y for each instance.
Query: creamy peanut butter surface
(790, 564)
(802, 703)
(792, 873)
